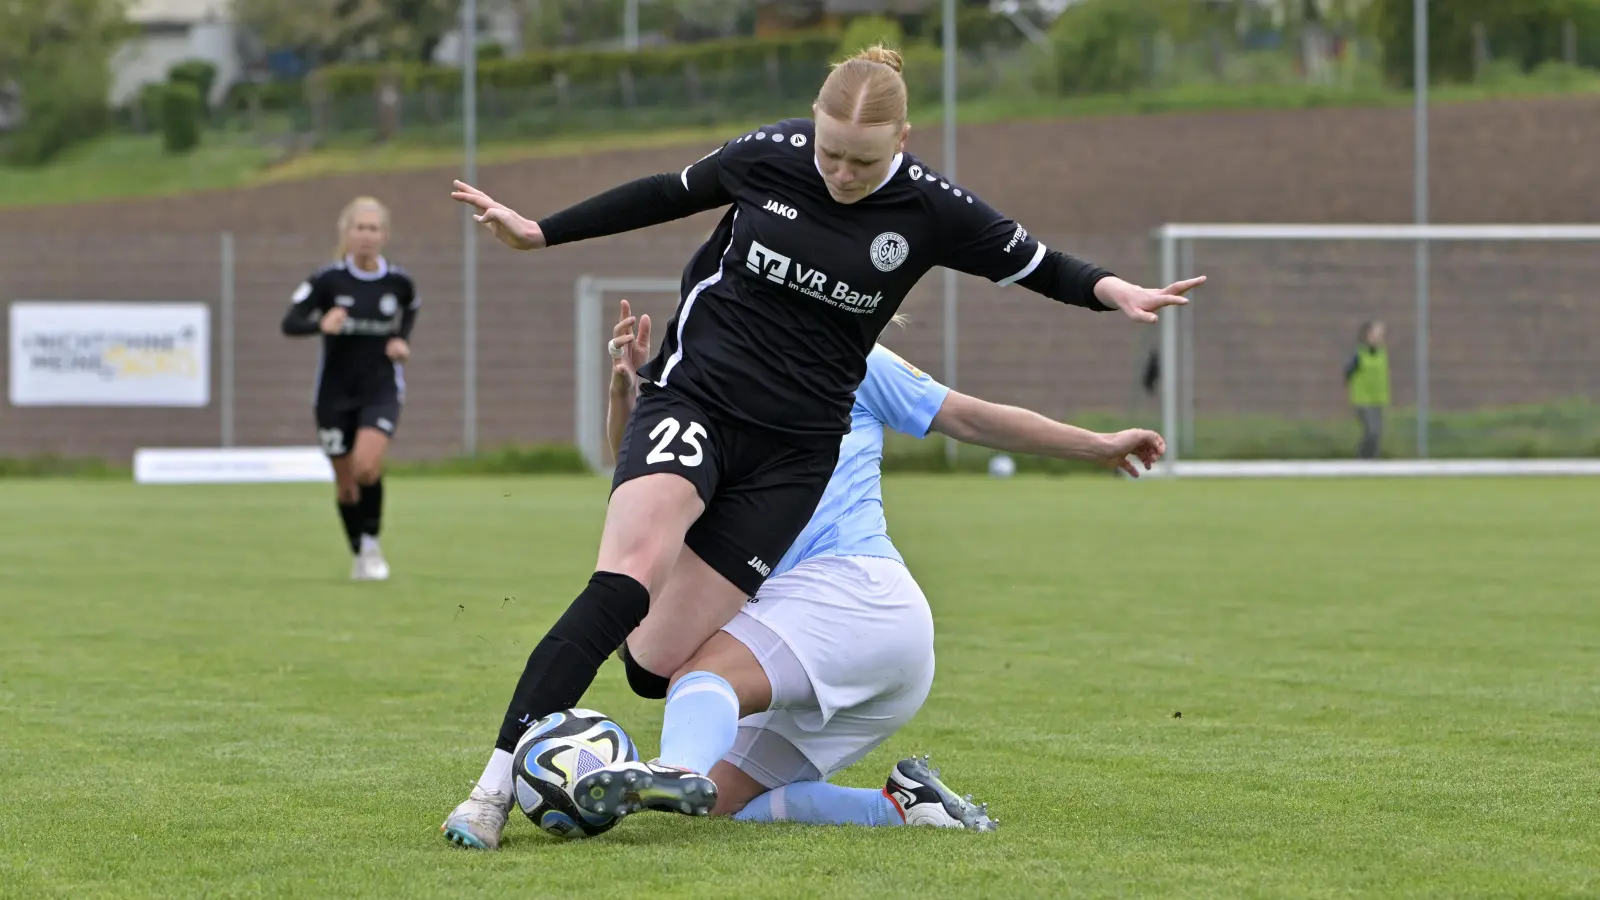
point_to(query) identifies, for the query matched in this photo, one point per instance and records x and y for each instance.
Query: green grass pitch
(1388, 689)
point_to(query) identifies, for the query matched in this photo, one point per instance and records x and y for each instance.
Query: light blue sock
(700, 722)
(820, 803)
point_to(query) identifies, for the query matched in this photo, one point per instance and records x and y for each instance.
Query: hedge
(1523, 33)
(585, 66)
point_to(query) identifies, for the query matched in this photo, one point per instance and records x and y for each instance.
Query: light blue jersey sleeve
(899, 394)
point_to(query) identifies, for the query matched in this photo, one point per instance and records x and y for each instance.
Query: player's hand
(634, 350)
(333, 320)
(1128, 450)
(513, 230)
(1141, 303)
(398, 350)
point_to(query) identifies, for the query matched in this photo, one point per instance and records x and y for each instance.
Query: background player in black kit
(739, 420)
(364, 308)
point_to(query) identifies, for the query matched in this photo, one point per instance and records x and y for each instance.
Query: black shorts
(759, 491)
(337, 424)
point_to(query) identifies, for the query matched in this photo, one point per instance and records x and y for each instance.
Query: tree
(333, 30)
(56, 55)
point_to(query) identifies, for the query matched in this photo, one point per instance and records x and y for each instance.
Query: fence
(1259, 373)
(1490, 358)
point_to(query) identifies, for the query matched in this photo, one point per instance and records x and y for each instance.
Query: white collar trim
(894, 169)
(350, 266)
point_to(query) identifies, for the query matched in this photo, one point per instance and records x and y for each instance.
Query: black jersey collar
(894, 169)
(383, 269)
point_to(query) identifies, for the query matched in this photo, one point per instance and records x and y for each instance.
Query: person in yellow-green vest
(1367, 377)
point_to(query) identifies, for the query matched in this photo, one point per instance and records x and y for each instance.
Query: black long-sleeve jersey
(781, 306)
(380, 305)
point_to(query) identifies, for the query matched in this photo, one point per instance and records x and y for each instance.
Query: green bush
(1100, 45)
(57, 117)
(587, 67)
(1523, 34)
(181, 110)
(272, 95)
(197, 72)
(865, 31)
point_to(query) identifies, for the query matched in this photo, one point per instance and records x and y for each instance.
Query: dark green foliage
(197, 72)
(181, 111)
(1522, 34)
(1101, 45)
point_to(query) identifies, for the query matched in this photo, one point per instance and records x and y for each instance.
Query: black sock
(350, 514)
(372, 507)
(644, 682)
(565, 662)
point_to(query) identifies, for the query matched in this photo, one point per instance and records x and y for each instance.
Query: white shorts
(847, 643)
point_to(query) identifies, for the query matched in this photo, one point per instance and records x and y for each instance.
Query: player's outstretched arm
(982, 241)
(628, 207)
(1017, 430)
(629, 351)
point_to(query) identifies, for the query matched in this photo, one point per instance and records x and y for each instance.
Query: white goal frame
(1177, 241)
(590, 335)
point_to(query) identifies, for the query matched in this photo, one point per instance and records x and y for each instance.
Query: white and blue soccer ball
(553, 754)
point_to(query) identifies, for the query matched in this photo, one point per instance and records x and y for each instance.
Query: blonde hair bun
(878, 53)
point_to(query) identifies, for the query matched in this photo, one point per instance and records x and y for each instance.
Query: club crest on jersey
(889, 250)
(389, 305)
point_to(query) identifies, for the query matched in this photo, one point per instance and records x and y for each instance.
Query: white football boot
(369, 563)
(925, 800)
(628, 787)
(477, 823)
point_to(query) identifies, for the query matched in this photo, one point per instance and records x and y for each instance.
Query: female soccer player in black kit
(738, 424)
(364, 308)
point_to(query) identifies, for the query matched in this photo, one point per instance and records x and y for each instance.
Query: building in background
(169, 32)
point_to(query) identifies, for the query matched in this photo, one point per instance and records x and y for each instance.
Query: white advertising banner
(110, 354)
(233, 465)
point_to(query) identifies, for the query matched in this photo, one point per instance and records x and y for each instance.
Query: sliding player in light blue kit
(835, 653)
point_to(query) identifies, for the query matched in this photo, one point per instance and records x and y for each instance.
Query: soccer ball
(1002, 466)
(555, 752)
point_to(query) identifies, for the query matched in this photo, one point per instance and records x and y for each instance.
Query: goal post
(1491, 355)
(591, 365)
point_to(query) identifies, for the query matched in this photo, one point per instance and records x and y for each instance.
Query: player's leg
(862, 627)
(375, 430)
(742, 535)
(657, 495)
(722, 683)
(336, 430)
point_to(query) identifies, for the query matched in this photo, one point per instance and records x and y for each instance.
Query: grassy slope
(1386, 689)
(124, 166)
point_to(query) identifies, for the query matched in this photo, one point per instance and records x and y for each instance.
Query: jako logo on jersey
(344, 301)
(777, 208)
(765, 262)
(889, 250)
(756, 563)
(1017, 238)
(811, 282)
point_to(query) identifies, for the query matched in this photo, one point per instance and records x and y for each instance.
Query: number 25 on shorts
(664, 433)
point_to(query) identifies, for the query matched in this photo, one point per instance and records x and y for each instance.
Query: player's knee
(348, 491)
(644, 682)
(368, 470)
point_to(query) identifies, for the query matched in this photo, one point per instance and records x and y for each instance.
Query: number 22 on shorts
(663, 434)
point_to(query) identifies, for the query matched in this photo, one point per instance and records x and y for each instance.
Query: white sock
(368, 543)
(497, 774)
